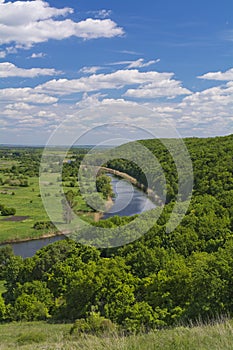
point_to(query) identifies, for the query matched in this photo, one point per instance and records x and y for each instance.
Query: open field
(40, 335)
(29, 209)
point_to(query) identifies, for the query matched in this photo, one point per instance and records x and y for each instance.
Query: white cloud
(8, 69)
(165, 88)
(28, 22)
(214, 99)
(89, 100)
(38, 55)
(90, 70)
(136, 64)
(19, 106)
(24, 12)
(140, 63)
(2, 54)
(208, 112)
(101, 13)
(224, 76)
(11, 50)
(25, 95)
(153, 83)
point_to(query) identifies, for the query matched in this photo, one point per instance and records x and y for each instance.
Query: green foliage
(28, 308)
(94, 323)
(68, 204)
(103, 185)
(2, 309)
(8, 211)
(41, 225)
(159, 280)
(6, 253)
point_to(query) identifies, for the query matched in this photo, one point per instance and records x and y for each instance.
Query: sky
(143, 63)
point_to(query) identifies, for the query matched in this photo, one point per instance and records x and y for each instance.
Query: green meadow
(28, 204)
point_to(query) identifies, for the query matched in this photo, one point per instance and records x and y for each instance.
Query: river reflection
(129, 200)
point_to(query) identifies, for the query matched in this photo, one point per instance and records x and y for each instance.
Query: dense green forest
(160, 279)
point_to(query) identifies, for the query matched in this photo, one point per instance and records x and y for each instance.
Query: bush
(93, 324)
(29, 308)
(41, 225)
(2, 309)
(8, 211)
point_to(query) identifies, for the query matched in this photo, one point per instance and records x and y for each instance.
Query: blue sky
(59, 57)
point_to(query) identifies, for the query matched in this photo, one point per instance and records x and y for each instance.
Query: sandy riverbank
(151, 194)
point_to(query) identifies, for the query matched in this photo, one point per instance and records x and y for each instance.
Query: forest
(160, 280)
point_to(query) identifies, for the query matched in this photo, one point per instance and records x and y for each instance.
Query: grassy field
(28, 204)
(39, 335)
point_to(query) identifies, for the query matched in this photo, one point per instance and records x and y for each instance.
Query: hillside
(158, 281)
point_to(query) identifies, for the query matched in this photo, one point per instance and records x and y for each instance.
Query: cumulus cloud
(24, 12)
(217, 98)
(8, 69)
(166, 88)
(228, 75)
(159, 84)
(208, 112)
(25, 95)
(28, 22)
(19, 106)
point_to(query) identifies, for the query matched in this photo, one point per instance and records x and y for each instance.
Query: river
(128, 201)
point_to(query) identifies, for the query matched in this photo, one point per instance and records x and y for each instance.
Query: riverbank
(99, 215)
(96, 216)
(29, 239)
(151, 194)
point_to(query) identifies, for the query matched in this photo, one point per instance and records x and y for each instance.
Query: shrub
(41, 225)
(8, 211)
(93, 324)
(2, 309)
(29, 308)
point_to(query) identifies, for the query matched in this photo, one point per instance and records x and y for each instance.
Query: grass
(7, 163)
(40, 335)
(27, 202)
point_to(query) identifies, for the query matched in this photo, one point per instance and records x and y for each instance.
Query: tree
(103, 185)
(68, 204)
(5, 254)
